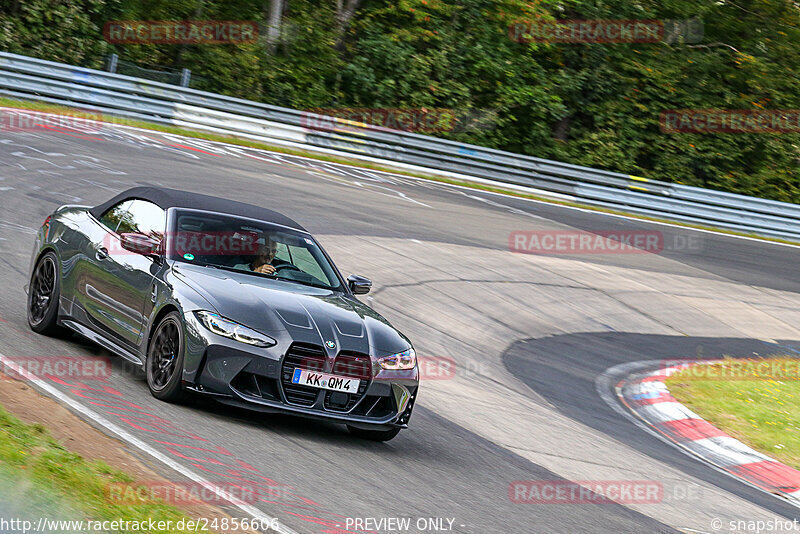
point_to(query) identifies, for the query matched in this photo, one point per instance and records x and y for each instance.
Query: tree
(274, 24)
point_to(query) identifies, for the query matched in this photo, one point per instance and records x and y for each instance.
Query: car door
(90, 265)
(119, 285)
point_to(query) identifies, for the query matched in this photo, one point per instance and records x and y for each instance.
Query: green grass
(755, 401)
(40, 478)
(54, 108)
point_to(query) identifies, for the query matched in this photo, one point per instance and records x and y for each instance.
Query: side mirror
(358, 284)
(140, 244)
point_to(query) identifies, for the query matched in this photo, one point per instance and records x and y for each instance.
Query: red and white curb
(646, 395)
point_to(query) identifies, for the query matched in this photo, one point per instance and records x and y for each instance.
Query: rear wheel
(373, 435)
(43, 295)
(164, 365)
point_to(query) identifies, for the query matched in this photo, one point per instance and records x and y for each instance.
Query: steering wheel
(287, 266)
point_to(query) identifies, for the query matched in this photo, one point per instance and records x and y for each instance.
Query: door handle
(102, 253)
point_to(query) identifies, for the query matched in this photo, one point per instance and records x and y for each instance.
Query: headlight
(400, 361)
(227, 328)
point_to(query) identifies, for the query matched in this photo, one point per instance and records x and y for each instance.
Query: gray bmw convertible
(223, 299)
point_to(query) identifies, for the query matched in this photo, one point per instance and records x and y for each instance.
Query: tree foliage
(589, 104)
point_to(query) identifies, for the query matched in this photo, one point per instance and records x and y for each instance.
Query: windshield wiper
(235, 270)
(301, 282)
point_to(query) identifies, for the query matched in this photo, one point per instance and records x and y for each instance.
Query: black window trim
(114, 231)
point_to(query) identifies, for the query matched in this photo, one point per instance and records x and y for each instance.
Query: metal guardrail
(26, 77)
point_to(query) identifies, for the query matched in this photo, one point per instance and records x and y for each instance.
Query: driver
(264, 261)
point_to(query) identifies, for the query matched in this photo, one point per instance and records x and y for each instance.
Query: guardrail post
(112, 62)
(186, 75)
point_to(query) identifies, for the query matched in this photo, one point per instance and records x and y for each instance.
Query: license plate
(315, 379)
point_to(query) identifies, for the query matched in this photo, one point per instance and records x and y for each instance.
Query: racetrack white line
(141, 445)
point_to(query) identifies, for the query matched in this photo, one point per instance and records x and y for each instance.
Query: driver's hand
(265, 269)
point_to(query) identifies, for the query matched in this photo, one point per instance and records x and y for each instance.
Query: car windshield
(249, 246)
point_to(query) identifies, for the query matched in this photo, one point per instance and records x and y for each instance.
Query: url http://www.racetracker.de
(217, 524)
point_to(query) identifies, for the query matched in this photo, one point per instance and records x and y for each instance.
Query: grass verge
(59, 109)
(40, 478)
(755, 401)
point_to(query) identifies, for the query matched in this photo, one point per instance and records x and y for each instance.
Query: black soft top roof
(173, 198)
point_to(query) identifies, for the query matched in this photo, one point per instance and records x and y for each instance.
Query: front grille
(304, 356)
(351, 365)
(312, 357)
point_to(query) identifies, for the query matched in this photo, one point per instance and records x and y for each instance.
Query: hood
(307, 314)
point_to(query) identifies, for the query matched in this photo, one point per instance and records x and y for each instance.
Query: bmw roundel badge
(330, 344)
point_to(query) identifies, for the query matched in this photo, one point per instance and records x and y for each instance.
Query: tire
(373, 435)
(164, 365)
(43, 295)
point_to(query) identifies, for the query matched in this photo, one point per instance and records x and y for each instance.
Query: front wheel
(43, 294)
(373, 435)
(164, 365)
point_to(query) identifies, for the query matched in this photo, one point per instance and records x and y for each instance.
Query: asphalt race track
(529, 334)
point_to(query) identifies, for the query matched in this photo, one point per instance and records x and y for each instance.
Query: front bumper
(259, 379)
